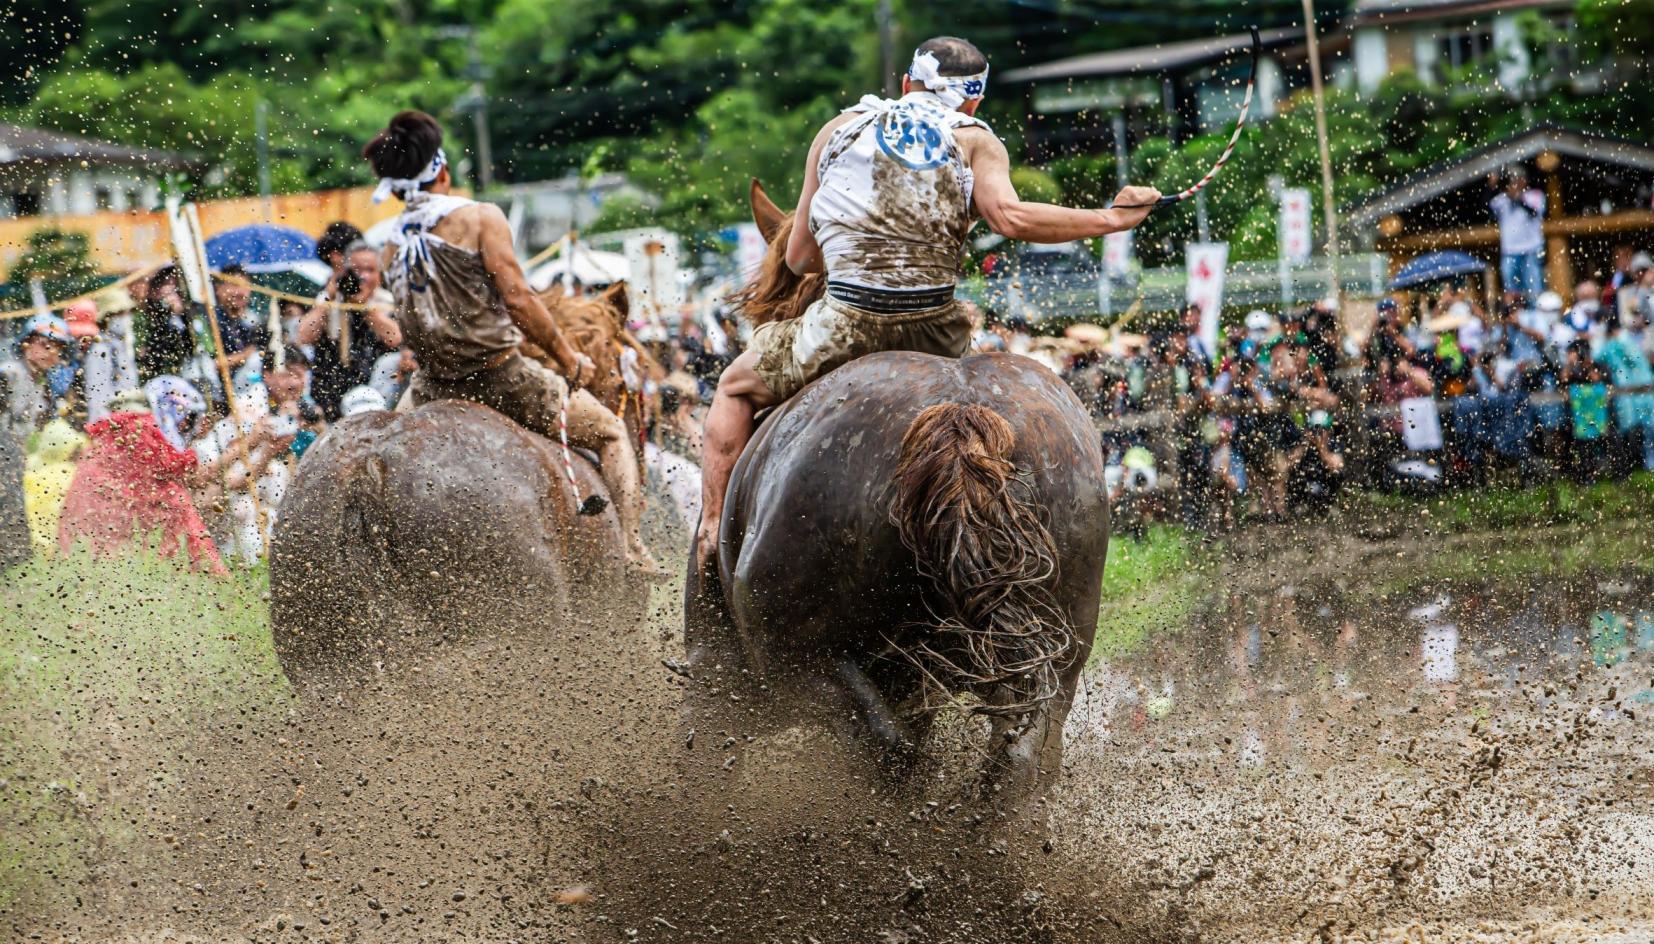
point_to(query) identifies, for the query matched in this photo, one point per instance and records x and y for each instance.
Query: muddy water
(1460, 763)
(1467, 763)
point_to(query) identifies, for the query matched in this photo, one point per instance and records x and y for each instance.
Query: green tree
(52, 254)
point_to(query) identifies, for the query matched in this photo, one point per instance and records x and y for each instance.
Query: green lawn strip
(1559, 502)
(85, 640)
(1150, 586)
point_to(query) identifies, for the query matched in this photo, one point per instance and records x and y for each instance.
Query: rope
(591, 504)
(543, 255)
(233, 279)
(82, 297)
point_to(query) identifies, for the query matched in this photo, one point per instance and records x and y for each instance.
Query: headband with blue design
(955, 90)
(403, 186)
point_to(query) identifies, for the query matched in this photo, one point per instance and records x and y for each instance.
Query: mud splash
(1291, 768)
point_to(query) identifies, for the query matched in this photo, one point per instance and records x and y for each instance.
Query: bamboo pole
(1329, 209)
(199, 249)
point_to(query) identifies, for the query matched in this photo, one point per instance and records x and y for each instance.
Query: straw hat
(1089, 334)
(82, 319)
(1457, 316)
(1124, 344)
(114, 300)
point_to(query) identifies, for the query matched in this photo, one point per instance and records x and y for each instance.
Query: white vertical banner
(652, 264)
(1294, 235)
(1206, 263)
(749, 250)
(183, 246)
(1117, 254)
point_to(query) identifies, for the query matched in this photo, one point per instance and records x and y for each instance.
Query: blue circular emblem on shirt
(911, 138)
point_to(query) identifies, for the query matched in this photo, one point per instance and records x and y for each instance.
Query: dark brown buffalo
(442, 523)
(909, 528)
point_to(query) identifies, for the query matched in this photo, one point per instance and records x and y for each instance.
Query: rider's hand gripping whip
(1240, 124)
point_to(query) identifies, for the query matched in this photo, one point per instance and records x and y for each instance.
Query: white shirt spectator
(1521, 223)
(109, 366)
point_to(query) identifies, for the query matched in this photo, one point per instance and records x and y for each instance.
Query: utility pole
(475, 100)
(261, 131)
(1328, 208)
(887, 49)
(479, 114)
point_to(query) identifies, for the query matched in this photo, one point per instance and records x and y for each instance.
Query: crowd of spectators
(118, 415)
(1441, 391)
(1252, 426)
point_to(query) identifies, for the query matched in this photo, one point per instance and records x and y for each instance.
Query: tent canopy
(591, 267)
(1435, 266)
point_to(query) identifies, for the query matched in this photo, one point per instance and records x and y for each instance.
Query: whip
(592, 504)
(1240, 124)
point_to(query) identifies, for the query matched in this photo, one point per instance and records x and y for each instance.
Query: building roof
(19, 144)
(1165, 57)
(1398, 11)
(1428, 184)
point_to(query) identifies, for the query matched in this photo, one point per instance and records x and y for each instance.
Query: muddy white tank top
(894, 203)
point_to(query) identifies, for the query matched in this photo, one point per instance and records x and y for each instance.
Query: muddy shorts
(830, 334)
(528, 393)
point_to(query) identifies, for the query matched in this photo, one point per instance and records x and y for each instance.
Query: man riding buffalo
(464, 307)
(891, 189)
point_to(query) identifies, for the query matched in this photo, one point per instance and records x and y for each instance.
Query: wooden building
(1599, 191)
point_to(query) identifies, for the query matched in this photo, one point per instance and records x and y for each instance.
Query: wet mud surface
(1462, 764)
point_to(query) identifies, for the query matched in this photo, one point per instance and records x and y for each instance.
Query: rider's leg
(593, 426)
(728, 427)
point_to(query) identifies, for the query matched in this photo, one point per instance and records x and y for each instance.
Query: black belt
(889, 301)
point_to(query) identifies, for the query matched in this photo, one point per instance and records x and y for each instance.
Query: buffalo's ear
(765, 213)
(618, 299)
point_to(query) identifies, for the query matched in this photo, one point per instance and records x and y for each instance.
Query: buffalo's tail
(983, 545)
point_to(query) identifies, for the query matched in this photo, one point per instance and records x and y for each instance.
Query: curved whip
(1240, 125)
(997, 627)
(592, 504)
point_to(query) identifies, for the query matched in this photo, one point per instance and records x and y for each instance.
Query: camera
(350, 283)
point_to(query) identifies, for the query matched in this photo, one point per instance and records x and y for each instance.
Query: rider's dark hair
(405, 146)
(954, 56)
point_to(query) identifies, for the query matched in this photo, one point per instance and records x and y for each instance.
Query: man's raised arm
(997, 202)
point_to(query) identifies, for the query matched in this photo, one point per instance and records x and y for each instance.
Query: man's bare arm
(803, 253)
(529, 313)
(1009, 216)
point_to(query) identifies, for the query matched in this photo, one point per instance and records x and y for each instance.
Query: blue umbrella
(1435, 266)
(260, 248)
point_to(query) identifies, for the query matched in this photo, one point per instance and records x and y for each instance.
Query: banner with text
(1294, 235)
(1206, 263)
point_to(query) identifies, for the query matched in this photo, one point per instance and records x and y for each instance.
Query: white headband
(955, 90)
(402, 186)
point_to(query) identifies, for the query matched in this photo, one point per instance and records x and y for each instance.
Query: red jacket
(129, 484)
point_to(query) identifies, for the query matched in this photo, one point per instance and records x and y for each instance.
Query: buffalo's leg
(1026, 757)
(894, 739)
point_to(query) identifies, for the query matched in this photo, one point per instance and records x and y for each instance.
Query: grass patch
(1558, 529)
(95, 652)
(1149, 586)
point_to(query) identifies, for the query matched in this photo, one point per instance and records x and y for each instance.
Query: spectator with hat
(1583, 319)
(1635, 289)
(26, 400)
(107, 364)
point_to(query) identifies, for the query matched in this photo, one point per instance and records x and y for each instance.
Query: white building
(46, 173)
(1434, 37)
